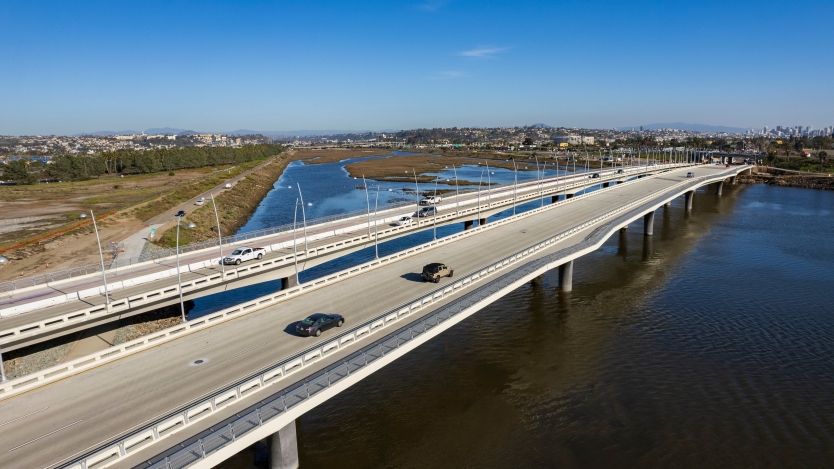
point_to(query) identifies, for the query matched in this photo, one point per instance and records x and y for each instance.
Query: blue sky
(71, 67)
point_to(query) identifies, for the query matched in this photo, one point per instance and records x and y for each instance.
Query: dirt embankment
(806, 182)
(234, 206)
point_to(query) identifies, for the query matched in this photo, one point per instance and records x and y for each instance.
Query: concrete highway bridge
(33, 314)
(198, 393)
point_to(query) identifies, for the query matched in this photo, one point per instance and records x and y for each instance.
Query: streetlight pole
(219, 236)
(294, 244)
(515, 184)
(367, 201)
(303, 218)
(489, 186)
(480, 178)
(457, 205)
(540, 178)
(434, 215)
(101, 256)
(376, 222)
(416, 197)
(179, 276)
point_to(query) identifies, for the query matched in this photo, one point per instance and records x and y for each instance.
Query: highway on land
(50, 424)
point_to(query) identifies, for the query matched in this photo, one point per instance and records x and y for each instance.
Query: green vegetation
(79, 168)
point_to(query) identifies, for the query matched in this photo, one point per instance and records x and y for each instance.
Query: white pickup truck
(433, 200)
(244, 254)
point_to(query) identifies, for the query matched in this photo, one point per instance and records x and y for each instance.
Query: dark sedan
(317, 323)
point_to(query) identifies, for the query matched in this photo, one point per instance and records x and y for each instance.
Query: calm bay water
(710, 344)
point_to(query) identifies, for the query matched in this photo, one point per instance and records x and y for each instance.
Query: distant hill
(542, 126)
(293, 133)
(109, 133)
(691, 127)
(169, 131)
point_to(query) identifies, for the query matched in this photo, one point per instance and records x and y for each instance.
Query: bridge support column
(648, 223)
(688, 200)
(732, 180)
(283, 448)
(468, 225)
(289, 282)
(719, 186)
(538, 281)
(482, 222)
(667, 205)
(566, 276)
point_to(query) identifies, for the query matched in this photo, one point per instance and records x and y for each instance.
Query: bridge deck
(57, 421)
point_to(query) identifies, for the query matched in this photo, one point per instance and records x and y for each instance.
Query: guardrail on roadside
(47, 278)
(226, 396)
(56, 372)
(169, 290)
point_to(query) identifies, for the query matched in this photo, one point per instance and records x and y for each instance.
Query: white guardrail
(28, 382)
(254, 384)
(57, 278)
(172, 290)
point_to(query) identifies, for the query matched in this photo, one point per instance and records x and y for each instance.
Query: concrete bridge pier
(566, 276)
(283, 448)
(482, 222)
(667, 205)
(468, 225)
(289, 282)
(719, 187)
(538, 281)
(732, 180)
(647, 248)
(622, 243)
(648, 223)
(688, 200)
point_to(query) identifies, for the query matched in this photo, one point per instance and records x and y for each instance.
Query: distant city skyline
(75, 68)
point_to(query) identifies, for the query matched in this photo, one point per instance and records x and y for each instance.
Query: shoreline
(802, 182)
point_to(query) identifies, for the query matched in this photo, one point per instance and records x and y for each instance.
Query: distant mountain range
(691, 127)
(266, 133)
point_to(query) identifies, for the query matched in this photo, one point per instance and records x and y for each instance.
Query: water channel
(710, 344)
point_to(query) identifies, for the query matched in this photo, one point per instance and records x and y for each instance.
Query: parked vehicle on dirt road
(435, 271)
(244, 254)
(315, 324)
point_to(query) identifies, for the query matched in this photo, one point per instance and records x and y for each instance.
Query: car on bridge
(244, 254)
(620, 171)
(426, 212)
(404, 221)
(690, 174)
(435, 271)
(315, 324)
(594, 176)
(431, 200)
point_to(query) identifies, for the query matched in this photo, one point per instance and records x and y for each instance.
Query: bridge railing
(47, 278)
(300, 392)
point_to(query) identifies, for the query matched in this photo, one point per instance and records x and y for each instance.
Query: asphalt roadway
(50, 424)
(47, 313)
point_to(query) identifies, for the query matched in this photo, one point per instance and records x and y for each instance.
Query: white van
(200, 201)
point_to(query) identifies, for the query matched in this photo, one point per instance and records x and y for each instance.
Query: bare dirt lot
(40, 227)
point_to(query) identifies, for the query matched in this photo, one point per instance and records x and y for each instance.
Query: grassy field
(333, 155)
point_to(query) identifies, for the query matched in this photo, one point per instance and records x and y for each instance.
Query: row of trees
(77, 168)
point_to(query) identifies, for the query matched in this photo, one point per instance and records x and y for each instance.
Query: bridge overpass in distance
(42, 312)
(195, 398)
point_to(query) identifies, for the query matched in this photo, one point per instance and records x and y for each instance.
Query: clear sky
(71, 67)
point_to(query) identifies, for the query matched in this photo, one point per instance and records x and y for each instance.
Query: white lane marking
(44, 436)
(246, 351)
(24, 416)
(213, 343)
